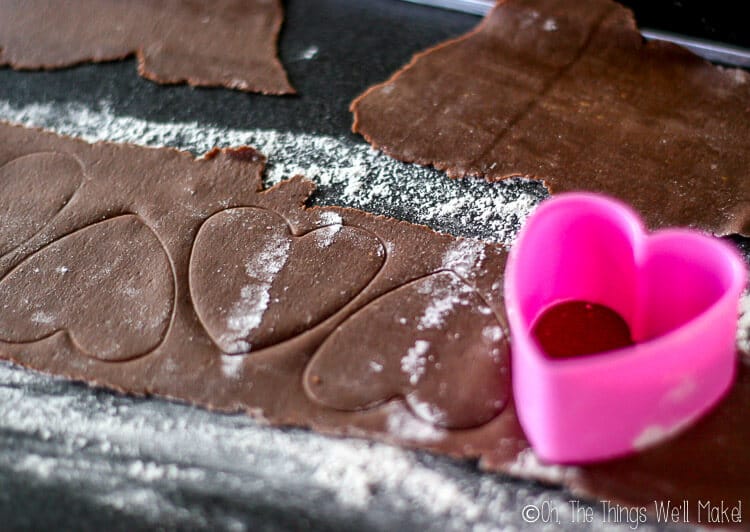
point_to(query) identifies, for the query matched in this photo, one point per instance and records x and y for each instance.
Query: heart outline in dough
(245, 295)
(419, 357)
(39, 208)
(117, 276)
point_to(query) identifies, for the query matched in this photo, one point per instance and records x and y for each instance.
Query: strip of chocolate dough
(150, 272)
(228, 43)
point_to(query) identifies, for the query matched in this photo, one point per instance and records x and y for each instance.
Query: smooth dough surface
(569, 93)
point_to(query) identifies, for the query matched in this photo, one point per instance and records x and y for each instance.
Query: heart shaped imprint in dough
(110, 286)
(255, 284)
(33, 189)
(406, 344)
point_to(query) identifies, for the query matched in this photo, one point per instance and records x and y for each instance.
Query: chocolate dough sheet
(569, 93)
(150, 272)
(228, 43)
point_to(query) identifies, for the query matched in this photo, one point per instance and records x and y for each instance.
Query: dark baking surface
(125, 460)
(717, 21)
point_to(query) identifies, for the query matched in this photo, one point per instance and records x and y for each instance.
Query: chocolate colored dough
(228, 43)
(568, 92)
(153, 273)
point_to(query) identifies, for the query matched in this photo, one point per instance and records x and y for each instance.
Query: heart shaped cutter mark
(413, 343)
(255, 284)
(28, 203)
(109, 286)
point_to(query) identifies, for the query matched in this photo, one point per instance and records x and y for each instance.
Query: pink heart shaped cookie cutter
(678, 291)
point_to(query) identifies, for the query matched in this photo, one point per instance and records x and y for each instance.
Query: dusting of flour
(248, 309)
(444, 298)
(414, 362)
(325, 236)
(347, 173)
(743, 329)
(129, 455)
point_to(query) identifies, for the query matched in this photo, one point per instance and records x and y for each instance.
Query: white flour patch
(330, 218)
(246, 313)
(131, 292)
(743, 329)
(493, 333)
(465, 257)
(527, 464)
(405, 425)
(245, 316)
(231, 365)
(654, 434)
(550, 25)
(740, 76)
(309, 53)
(444, 298)
(414, 362)
(325, 236)
(42, 466)
(427, 411)
(42, 318)
(347, 173)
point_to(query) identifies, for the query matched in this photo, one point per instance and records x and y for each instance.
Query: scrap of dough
(568, 92)
(228, 43)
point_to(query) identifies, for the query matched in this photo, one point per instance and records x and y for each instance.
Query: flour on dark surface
(145, 459)
(346, 172)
